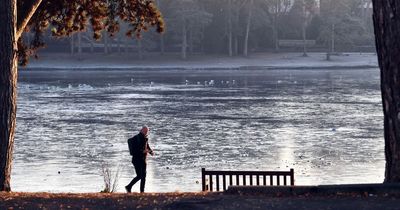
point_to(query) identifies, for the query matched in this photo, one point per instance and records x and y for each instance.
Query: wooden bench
(295, 43)
(249, 178)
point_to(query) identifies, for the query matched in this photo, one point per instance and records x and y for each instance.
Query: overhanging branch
(25, 15)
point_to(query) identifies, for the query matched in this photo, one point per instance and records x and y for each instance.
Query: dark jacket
(139, 147)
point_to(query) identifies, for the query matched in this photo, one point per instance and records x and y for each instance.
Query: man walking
(138, 148)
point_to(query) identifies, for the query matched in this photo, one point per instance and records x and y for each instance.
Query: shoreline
(247, 68)
(358, 196)
(262, 61)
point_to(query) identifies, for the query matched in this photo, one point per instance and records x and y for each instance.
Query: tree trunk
(328, 56)
(387, 37)
(235, 35)
(203, 31)
(72, 43)
(191, 45)
(79, 45)
(106, 51)
(275, 33)
(331, 44)
(184, 39)
(162, 46)
(236, 45)
(126, 45)
(230, 36)
(363, 10)
(304, 27)
(248, 24)
(8, 88)
(304, 40)
(119, 45)
(91, 46)
(140, 50)
(333, 38)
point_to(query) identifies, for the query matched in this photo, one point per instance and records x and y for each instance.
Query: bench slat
(284, 180)
(258, 180)
(211, 183)
(217, 182)
(224, 182)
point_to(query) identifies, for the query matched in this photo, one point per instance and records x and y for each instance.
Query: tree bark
(8, 88)
(387, 37)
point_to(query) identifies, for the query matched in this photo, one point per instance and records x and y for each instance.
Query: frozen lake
(326, 124)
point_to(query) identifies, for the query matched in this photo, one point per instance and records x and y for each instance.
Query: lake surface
(326, 124)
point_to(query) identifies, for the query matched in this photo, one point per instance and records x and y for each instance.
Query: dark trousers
(140, 168)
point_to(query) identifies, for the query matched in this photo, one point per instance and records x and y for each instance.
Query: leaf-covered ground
(193, 201)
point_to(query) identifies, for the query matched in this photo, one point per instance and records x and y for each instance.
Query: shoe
(128, 190)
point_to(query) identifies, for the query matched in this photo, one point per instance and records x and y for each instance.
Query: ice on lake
(326, 124)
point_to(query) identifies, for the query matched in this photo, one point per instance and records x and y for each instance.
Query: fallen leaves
(86, 201)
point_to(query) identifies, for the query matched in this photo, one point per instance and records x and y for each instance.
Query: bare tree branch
(25, 15)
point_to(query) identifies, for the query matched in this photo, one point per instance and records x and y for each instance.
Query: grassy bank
(200, 62)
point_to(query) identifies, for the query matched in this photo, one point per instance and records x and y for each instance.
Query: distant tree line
(239, 28)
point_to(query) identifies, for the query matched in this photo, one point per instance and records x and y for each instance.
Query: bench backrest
(251, 178)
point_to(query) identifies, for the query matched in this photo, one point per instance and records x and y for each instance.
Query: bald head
(145, 130)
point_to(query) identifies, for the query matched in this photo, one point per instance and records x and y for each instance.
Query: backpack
(132, 143)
